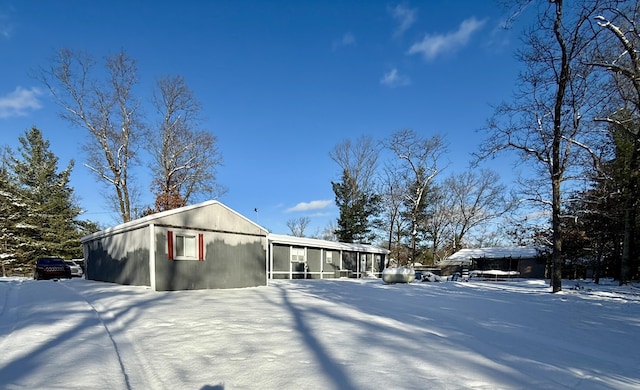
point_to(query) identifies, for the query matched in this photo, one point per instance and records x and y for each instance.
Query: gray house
(202, 246)
(308, 258)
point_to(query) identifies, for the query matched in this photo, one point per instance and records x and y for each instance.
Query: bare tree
(544, 124)
(328, 232)
(438, 222)
(359, 158)
(297, 226)
(417, 169)
(184, 158)
(619, 55)
(474, 199)
(107, 109)
(391, 190)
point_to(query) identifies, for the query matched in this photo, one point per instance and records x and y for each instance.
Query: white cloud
(499, 37)
(433, 45)
(20, 102)
(348, 39)
(6, 29)
(313, 205)
(393, 79)
(405, 17)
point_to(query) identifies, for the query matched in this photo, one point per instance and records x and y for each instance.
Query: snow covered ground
(330, 334)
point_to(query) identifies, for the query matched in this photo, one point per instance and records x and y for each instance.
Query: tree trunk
(390, 235)
(556, 256)
(556, 166)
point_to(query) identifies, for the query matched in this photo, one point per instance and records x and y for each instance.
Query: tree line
(392, 193)
(574, 122)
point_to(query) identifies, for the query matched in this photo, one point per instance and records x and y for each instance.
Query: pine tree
(12, 211)
(49, 226)
(622, 174)
(357, 208)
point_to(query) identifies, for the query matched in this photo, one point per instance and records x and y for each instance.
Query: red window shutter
(201, 247)
(170, 244)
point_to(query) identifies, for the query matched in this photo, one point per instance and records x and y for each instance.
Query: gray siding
(231, 251)
(331, 269)
(231, 261)
(281, 261)
(120, 258)
(314, 262)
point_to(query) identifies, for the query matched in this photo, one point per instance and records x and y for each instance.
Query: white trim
(152, 256)
(306, 262)
(297, 250)
(316, 243)
(269, 263)
(189, 240)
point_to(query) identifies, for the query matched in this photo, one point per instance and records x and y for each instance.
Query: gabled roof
(144, 221)
(467, 255)
(326, 244)
(276, 238)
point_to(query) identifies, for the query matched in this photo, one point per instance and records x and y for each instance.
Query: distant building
(527, 262)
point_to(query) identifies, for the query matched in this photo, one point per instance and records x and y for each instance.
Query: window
(185, 246)
(329, 257)
(297, 255)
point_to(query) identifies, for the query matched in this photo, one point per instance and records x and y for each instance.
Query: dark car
(51, 268)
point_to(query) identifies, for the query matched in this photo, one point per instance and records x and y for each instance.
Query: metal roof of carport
(326, 244)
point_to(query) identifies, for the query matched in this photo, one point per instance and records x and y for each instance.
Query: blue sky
(281, 83)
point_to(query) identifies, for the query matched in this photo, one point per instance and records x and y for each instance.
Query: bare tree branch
(185, 159)
(106, 109)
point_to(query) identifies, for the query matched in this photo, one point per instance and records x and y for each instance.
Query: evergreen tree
(605, 223)
(12, 211)
(594, 235)
(618, 201)
(625, 171)
(49, 226)
(357, 208)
